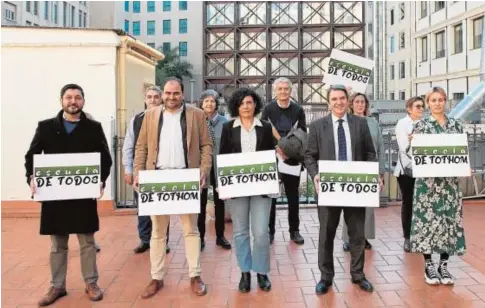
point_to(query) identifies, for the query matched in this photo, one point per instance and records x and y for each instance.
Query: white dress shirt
(404, 127)
(171, 148)
(345, 125)
(248, 138)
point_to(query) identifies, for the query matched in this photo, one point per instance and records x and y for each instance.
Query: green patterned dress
(437, 223)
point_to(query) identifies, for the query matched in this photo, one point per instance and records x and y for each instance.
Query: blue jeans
(258, 209)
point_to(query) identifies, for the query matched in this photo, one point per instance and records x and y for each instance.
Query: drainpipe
(482, 58)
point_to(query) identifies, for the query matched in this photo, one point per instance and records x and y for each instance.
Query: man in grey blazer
(339, 136)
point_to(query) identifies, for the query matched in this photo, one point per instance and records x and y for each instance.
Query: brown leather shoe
(52, 295)
(94, 292)
(198, 286)
(152, 288)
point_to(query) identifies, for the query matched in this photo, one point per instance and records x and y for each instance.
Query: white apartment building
(160, 24)
(46, 13)
(447, 38)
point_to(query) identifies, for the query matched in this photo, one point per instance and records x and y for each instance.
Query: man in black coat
(70, 132)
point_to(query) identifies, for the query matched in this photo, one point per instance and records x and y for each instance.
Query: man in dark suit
(71, 131)
(339, 136)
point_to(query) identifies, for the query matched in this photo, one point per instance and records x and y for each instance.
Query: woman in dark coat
(70, 132)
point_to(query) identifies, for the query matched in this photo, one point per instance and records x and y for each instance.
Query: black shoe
(271, 239)
(142, 248)
(323, 286)
(364, 284)
(202, 244)
(223, 242)
(368, 246)
(245, 282)
(346, 246)
(407, 245)
(167, 248)
(264, 283)
(297, 238)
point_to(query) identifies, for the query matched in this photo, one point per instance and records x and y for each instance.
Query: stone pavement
(397, 277)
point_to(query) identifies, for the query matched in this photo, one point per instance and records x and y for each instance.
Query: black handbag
(407, 171)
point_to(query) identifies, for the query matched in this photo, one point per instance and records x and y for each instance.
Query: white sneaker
(446, 277)
(430, 274)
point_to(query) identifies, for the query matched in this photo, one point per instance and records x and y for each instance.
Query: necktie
(342, 143)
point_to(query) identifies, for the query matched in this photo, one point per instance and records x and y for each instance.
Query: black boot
(245, 282)
(264, 283)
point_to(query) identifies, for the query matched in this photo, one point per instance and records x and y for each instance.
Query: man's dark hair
(238, 96)
(72, 86)
(337, 87)
(176, 79)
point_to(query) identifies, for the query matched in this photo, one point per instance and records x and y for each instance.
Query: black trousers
(292, 190)
(219, 211)
(406, 185)
(329, 217)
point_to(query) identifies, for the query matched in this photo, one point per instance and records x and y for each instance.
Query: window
(151, 27)
(392, 17)
(80, 19)
(54, 12)
(440, 44)
(424, 49)
(136, 6)
(182, 5)
(73, 13)
(391, 96)
(402, 40)
(127, 6)
(127, 26)
(28, 23)
(85, 18)
(183, 49)
(64, 15)
(477, 32)
(391, 72)
(152, 45)
(424, 9)
(402, 70)
(36, 8)
(458, 96)
(10, 15)
(46, 10)
(182, 25)
(402, 95)
(27, 6)
(166, 47)
(402, 8)
(150, 6)
(392, 44)
(167, 6)
(167, 25)
(439, 5)
(136, 28)
(458, 38)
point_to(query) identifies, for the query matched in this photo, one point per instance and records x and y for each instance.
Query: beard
(72, 109)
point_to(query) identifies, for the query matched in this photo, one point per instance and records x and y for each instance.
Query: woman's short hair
(435, 90)
(366, 100)
(209, 93)
(238, 96)
(410, 102)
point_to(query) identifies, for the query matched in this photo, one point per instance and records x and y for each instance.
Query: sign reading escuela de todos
(247, 174)
(348, 183)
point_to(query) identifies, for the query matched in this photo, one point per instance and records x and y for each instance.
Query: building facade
(160, 24)
(66, 14)
(253, 43)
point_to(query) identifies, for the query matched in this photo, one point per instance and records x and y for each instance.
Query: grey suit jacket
(321, 142)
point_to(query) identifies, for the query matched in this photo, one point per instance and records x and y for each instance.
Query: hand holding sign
(135, 183)
(316, 183)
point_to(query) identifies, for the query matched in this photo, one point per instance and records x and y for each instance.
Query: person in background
(70, 132)
(437, 217)
(209, 103)
(359, 106)
(246, 133)
(153, 98)
(174, 136)
(339, 136)
(283, 113)
(403, 169)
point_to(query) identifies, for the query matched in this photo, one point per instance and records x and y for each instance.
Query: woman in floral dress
(437, 222)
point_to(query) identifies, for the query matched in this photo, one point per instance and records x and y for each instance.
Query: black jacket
(69, 216)
(231, 138)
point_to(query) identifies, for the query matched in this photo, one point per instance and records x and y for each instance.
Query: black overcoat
(69, 216)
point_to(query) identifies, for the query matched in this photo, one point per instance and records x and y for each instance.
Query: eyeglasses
(419, 106)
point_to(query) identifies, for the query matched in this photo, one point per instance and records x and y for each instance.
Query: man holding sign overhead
(69, 183)
(174, 136)
(343, 137)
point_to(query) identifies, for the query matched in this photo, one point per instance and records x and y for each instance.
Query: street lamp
(192, 81)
